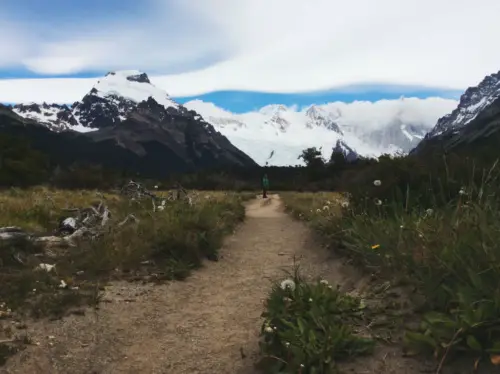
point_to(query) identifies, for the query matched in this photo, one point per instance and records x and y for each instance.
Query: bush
(308, 327)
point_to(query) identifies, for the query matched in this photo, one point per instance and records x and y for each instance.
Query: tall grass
(444, 241)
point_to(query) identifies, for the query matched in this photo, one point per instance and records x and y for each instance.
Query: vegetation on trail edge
(308, 327)
(162, 245)
(439, 233)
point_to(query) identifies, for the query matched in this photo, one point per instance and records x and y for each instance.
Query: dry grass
(163, 245)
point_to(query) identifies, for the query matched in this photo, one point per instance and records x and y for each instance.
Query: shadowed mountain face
(124, 123)
(474, 124)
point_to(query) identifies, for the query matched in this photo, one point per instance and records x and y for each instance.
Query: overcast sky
(194, 47)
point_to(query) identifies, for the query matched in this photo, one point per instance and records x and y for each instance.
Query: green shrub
(309, 327)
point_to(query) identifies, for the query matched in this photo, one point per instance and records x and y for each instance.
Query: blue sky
(245, 54)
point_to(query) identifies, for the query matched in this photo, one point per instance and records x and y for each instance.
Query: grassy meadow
(442, 243)
(161, 245)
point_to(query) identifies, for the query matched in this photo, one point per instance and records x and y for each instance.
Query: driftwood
(91, 222)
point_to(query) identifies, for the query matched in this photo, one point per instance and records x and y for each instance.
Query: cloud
(194, 47)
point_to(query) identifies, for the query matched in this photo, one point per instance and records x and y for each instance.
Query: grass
(308, 327)
(448, 252)
(162, 245)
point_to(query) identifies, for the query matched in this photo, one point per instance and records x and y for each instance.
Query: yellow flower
(375, 246)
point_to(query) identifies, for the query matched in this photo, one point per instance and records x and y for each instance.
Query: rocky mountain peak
(472, 102)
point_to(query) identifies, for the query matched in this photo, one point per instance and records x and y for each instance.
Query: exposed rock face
(476, 118)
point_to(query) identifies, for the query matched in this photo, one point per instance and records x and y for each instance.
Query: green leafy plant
(308, 327)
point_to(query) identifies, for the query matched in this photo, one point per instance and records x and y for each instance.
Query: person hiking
(265, 186)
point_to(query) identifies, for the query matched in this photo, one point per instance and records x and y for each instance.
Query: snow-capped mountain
(346, 151)
(109, 102)
(274, 135)
(140, 126)
(476, 117)
(277, 134)
(472, 102)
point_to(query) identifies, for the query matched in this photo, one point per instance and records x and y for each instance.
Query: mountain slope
(277, 134)
(476, 118)
(126, 122)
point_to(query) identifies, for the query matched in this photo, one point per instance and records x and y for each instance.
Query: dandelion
(268, 329)
(288, 284)
(378, 202)
(377, 183)
(375, 246)
(324, 281)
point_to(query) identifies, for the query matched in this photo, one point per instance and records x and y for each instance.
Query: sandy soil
(206, 324)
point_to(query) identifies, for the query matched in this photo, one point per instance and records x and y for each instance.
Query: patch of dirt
(207, 324)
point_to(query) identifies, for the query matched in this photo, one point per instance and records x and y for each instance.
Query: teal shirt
(265, 182)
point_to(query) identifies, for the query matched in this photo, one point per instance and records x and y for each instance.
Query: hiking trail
(206, 324)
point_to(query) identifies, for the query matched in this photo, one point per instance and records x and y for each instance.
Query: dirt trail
(206, 324)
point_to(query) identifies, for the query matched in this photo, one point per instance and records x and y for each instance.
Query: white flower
(301, 365)
(326, 207)
(462, 191)
(401, 227)
(328, 202)
(156, 187)
(429, 212)
(318, 210)
(288, 283)
(344, 204)
(377, 202)
(268, 329)
(63, 284)
(287, 344)
(377, 183)
(310, 300)
(47, 267)
(323, 281)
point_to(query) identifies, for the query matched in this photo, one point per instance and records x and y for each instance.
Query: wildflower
(378, 202)
(63, 284)
(326, 207)
(462, 191)
(268, 329)
(377, 183)
(288, 283)
(401, 227)
(301, 365)
(287, 344)
(344, 204)
(310, 300)
(328, 202)
(47, 267)
(323, 281)
(318, 210)
(375, 246)
(429, 212)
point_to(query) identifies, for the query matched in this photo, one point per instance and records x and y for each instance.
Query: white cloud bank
(264, 45)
